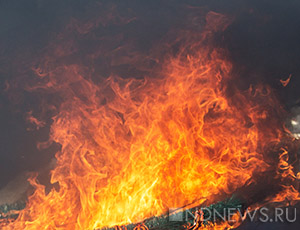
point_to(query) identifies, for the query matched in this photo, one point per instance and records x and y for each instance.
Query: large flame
(132, 148)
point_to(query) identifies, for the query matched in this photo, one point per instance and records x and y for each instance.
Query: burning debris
(192, 219)
(10, 211)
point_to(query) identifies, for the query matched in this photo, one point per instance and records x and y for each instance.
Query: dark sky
(263, 42)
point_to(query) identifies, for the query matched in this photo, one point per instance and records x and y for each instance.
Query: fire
(286, 82)
(132, 148)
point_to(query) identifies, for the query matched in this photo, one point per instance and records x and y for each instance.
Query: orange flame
(131, 149)
(286, 82)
